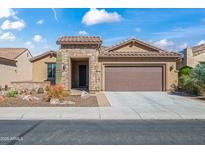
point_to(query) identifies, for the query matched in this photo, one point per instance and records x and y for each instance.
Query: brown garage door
(133, 78)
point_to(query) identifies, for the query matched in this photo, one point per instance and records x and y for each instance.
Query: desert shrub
(66, 93)
(193, 82)
(12, 93)
(55, 91)
(40, 90)
(186, 70)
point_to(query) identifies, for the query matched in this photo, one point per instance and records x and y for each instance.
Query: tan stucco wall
(24, 67)
(199, 58)
(192, 60)
(39, 70)
(171, 76)
(21, 71)
(135, 47)
(7, 74)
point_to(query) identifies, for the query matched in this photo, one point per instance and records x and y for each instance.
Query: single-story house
(44, 67)
(194, 55)
(15, 65)
(132, 65)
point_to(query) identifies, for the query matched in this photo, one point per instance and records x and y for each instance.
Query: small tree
(186, 70)
(193, 81)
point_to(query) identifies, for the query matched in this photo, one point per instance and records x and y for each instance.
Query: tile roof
(139, 54)
(11, 53)
(198, 49)
(79, 40)
(42, 55)
(154, 51)
(154, 48)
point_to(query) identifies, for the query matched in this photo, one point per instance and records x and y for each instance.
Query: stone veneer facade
(89, 52)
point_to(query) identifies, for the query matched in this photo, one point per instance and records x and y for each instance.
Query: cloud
(164, 43)
(180, 32)
(40, 22)
(38, 38)
(201, 42)
(182, 46)
(95, 16)
(7, 24)
(82, 32)
(7, 36)
(6, 12)
(137, 29)
(28, 44)
(55, 14)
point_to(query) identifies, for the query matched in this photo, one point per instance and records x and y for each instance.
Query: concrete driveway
(153, 105)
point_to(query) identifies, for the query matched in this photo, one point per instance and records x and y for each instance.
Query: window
(51, 72)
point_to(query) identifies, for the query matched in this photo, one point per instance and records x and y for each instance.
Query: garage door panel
(133, 78)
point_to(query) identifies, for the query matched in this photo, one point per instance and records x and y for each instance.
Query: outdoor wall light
(171, 68)
(64, 67)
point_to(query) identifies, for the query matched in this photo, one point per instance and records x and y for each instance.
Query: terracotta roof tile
(79, 40)
(43, 55)
(11, 53)
(198, 49)
(140, 54)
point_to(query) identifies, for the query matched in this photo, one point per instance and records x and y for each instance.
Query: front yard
(51, 96)
(69, 101)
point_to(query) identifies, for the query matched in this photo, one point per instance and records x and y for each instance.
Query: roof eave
(118, 56)
(77, 43)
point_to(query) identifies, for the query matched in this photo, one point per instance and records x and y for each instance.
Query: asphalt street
(104, 132)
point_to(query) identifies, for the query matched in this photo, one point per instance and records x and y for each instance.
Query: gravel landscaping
(69, 101)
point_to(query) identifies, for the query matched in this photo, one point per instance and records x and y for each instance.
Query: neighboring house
(194, 55)
(132, 65)
(44, 67)
(15, 65)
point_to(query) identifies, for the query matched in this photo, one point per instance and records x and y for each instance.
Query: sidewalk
(82, 113)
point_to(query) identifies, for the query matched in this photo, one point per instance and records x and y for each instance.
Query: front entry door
(82, 75)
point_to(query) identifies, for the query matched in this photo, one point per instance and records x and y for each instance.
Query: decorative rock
(68, 102)
(2, 99)
(54, 101)
(27, 98)
(36, 98)
(84, 94)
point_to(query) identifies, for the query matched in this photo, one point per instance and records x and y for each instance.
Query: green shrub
(186, 70)
(193, 81)
(12, 93)
(40, 90)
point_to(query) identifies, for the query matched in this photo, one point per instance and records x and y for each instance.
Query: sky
(38, 29)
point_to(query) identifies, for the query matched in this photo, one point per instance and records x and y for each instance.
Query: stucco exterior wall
(24, 67)
(136, 48)
(7, 74)
(192, 60)
(20, 71)
(198, 59)
(39, 68)
(171, 75)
